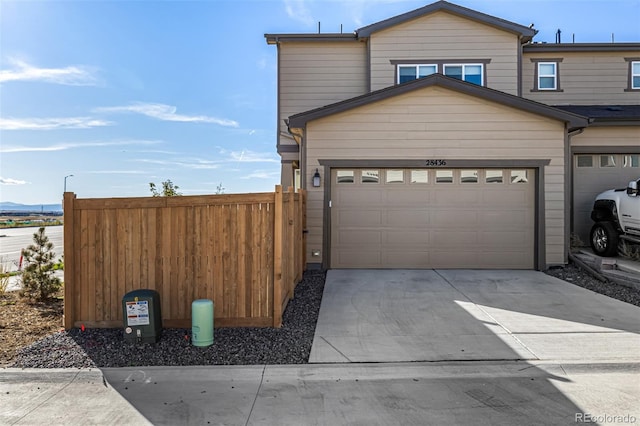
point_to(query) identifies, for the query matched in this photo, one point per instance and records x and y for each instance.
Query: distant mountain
(15, 207)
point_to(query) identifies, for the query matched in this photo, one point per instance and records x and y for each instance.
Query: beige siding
(442, 36)
(586, 78)
(438, 123)
(608, 136)
(316, 74)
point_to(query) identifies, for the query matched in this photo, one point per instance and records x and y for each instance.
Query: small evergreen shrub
(38, 280)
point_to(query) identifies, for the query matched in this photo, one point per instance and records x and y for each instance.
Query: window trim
(440, 63)
(578, 166)
(536, 74)
(416, 67)
(464, 65)
(553, 75)
(630, 165)
(630, 74)
(613, 157)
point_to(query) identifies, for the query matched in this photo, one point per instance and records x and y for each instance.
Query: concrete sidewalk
(469, 315)
(478, 393)
(503, 348)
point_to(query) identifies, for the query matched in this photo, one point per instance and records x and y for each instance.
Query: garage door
(592, 174)
(432, 218)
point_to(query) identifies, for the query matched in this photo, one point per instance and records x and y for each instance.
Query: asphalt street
(13, 240)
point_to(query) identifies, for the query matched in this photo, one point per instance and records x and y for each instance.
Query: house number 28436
(436, 162)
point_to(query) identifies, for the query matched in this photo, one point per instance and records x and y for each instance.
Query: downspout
(302, 158)
(519, 78)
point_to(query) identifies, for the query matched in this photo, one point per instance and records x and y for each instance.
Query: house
(448, 138)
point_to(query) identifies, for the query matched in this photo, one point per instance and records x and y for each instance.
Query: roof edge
(526, 32)
(579, 47)
(276, 38)
(574, 120)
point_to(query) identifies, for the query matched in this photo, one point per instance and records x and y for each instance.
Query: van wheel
(604, 239)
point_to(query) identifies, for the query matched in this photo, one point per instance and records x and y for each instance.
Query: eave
(574, 121)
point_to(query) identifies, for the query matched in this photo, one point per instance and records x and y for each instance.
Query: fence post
(277, 258)
(303, 215)
(291, 250)
(69, 260)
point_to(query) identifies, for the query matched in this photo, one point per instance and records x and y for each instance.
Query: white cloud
(298, 10)
(166, 113)
(9, 181)
(246, 156)
(71, 76)
(64, 146)
(189, 163)
(51, 123)
(115, 172)
(263, 174)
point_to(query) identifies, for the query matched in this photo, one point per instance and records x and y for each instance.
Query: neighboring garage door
(592, 174)
(432, 218)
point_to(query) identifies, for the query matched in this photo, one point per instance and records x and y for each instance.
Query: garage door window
(468, 176)
(444, 176)
(519, 176)
(370, 176)
(493, 176)
(584, 161)
(631, 161)
(345, 176)
(419, 176)
(395, 176)
(607, 161)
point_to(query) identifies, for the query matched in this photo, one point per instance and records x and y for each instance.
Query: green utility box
(202, 322)
(141, 316)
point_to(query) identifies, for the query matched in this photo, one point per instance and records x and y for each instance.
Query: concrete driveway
(469, 315)
(498, 348)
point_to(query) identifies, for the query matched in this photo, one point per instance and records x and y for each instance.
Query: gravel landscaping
(290, 344)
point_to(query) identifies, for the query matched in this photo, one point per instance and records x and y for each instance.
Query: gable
(439, 118)
(443, 6)
(444, 37)
(472, 90)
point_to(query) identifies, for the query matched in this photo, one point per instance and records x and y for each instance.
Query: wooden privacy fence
(245, 252)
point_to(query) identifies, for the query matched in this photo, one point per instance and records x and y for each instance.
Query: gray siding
(316, 74)
(442, 36)
(438, 123)
(586, 78)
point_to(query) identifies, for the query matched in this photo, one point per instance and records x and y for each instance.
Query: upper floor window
(634, 78)
(413, 72)
(547, 75)
(471, 70)
(466, 72)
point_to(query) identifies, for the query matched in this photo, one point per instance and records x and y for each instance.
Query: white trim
(554, 76)
(635, 63)
(416, 66)
(464, 72)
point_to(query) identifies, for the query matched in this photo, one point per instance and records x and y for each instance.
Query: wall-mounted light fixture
(316, 179)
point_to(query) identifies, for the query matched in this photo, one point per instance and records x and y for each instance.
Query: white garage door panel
(454, 239)
(408, 218)
(407, 239)
(356, 217)
(432, 225)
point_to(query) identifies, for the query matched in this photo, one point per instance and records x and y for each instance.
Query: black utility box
(141, 316)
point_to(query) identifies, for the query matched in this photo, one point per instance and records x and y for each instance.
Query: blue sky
(123, 93)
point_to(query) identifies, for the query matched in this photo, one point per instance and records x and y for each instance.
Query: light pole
(65, 182)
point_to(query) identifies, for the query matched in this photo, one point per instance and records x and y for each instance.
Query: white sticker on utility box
(138, 313)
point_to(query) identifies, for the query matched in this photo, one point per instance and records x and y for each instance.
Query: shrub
(4, 276)
(38, 281)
